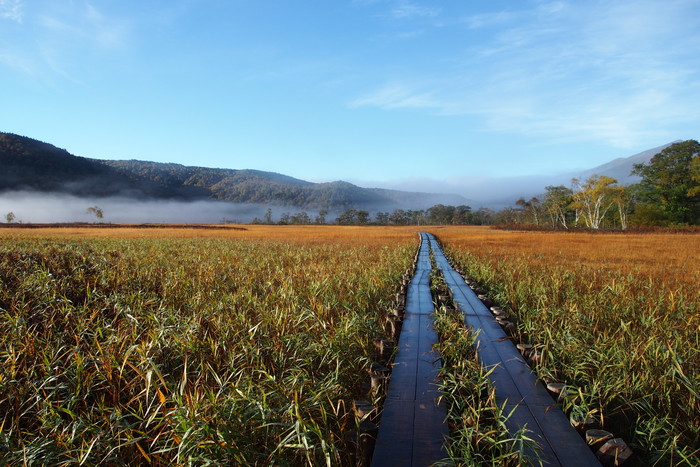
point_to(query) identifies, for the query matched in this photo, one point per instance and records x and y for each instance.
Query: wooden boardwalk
(516, 385)
(413, 427)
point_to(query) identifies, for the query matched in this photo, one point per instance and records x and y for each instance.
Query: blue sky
(379, 92)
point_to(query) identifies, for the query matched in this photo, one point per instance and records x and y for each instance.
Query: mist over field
(496, 192)
(480, 191)
(29, 206)
(53, 207)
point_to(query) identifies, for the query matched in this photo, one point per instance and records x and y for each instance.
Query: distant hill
(28, 164)
(501, 192)
(259, 187)
(419, 200)
(621, 168)
(31, 164)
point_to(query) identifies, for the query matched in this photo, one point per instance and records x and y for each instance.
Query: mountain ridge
(38, 166)
(620, 168)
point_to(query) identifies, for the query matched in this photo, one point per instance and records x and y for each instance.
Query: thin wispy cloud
(409, 34)
(110, 32)
(396, 96)
(88, 25)
(12, 10)
(322, 91)
(69, 29)
(54, 43)
(563, 70)
(406, 9)
(485, 20)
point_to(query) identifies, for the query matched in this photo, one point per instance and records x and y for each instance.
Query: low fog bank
(500, 192)
(480, 191)
(36, 207)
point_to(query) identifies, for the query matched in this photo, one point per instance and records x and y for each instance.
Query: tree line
(439, 214)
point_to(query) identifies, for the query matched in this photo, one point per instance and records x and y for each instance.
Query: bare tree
(10, 217)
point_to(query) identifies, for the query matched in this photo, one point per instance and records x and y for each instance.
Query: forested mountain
(28, 164)
(31, 164)
(255, 186)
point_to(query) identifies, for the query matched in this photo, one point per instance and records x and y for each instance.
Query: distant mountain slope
(33, 165)
(253, 186)
(421, 200)
(28, 164)
(177, 174)
(621, 168)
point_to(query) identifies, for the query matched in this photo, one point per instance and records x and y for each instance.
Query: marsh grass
(623, 336)
(193, 350)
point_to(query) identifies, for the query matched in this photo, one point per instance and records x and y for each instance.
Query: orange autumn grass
(669, 257)
(189, 345)
(305, 234)
(616, 317)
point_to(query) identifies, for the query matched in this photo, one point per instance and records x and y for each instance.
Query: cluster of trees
(96, 211)
(667, 195)
(594, 203)
(301, 217)
(439, 214)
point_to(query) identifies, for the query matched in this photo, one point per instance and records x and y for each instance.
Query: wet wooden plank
(412, 427)
(516, 385)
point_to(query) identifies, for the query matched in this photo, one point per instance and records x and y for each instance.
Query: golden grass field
(665, 256)
(616, 316)
(304, 234)
(182, 345)
(671, 257)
